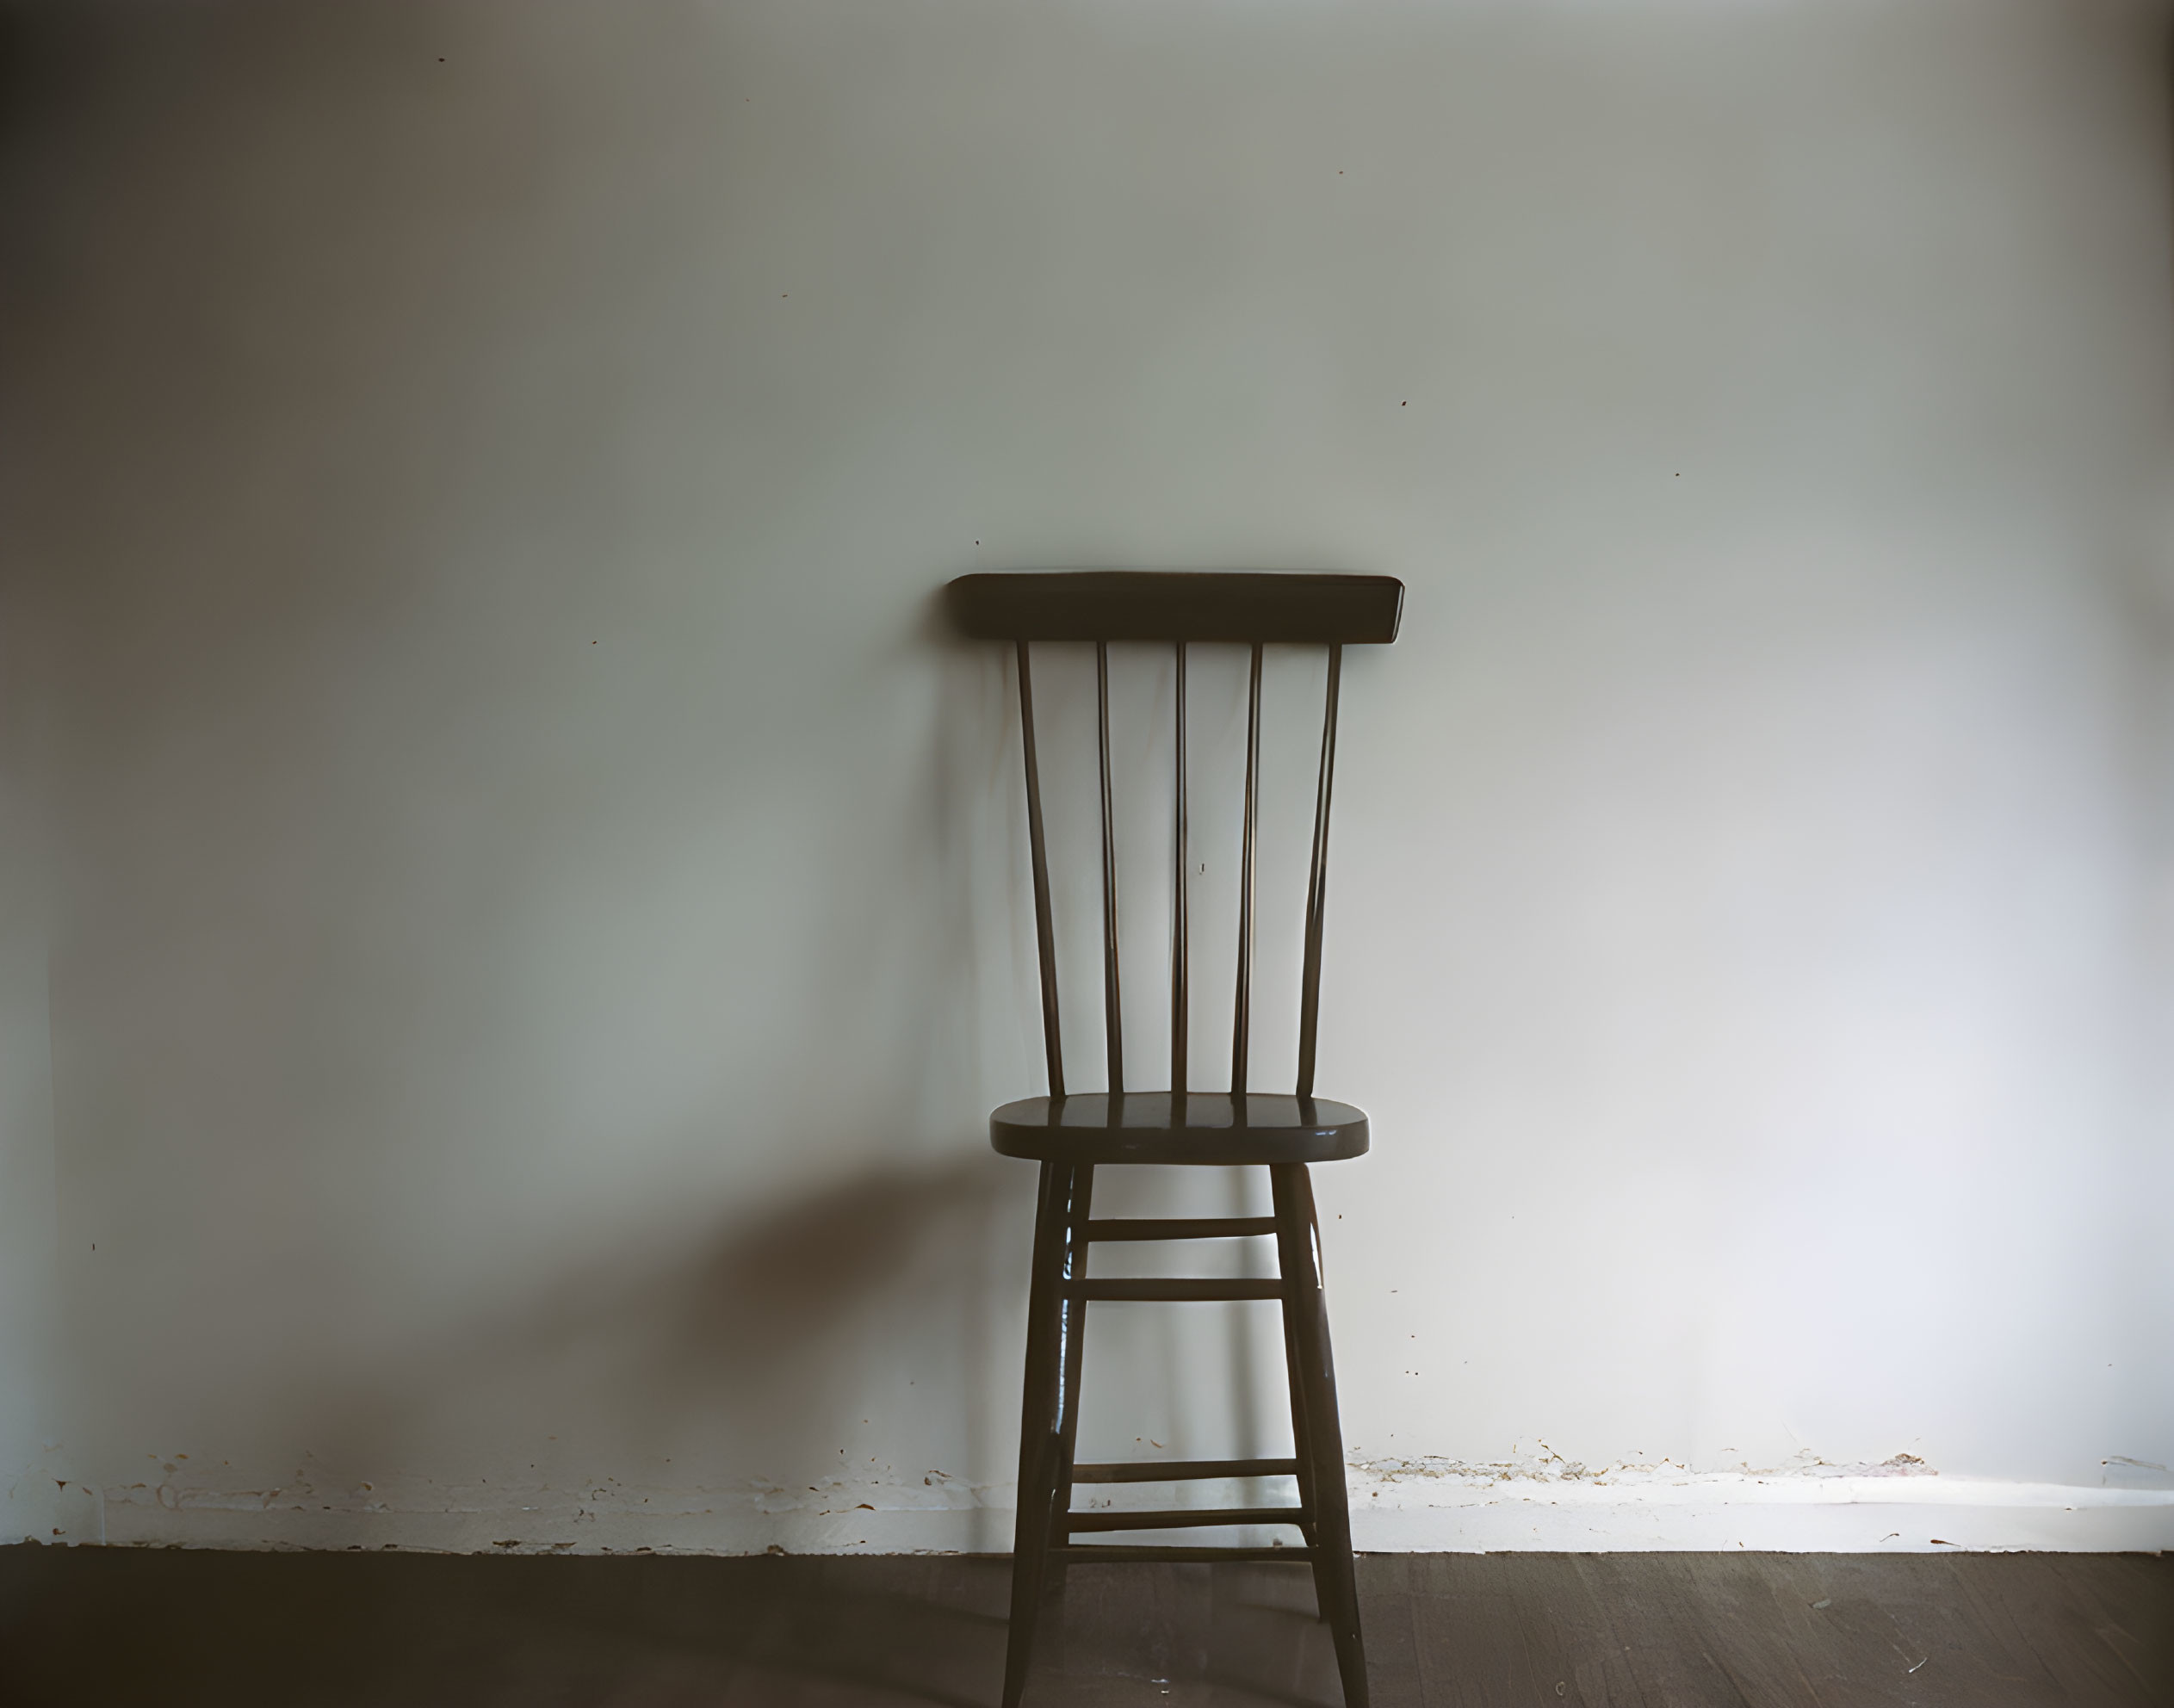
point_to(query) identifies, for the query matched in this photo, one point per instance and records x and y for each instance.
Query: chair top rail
(1130, 604)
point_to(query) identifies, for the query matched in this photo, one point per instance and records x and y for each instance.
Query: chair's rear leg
(1039, 1440)
(1072, 1314)
(1305, 1306)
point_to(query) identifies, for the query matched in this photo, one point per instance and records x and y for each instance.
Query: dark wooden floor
(123, 1625)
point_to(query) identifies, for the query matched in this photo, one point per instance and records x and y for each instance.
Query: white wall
(529, 906)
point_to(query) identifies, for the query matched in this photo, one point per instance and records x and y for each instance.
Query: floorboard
(90, 1625)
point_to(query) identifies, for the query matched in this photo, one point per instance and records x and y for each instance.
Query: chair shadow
(738, 1332)
(730, 1362)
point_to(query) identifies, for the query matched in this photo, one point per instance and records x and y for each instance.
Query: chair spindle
(1317, 880)
(1044, 933)
(1242, 1021)
(1180, 996)
(1112, 1008)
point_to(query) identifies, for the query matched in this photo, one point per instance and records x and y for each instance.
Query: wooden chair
(1068, 1133)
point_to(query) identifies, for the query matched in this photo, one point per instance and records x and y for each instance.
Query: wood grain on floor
(88, 1625)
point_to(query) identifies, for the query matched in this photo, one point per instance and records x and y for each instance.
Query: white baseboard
(1744, 1510)
(1395, 1513)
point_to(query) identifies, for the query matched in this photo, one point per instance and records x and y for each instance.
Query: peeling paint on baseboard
(1425, 1505)
(1544, 1501)
(1547, 1466)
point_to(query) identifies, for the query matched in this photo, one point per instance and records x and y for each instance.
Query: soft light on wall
(510, 907)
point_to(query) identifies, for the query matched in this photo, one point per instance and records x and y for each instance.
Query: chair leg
(1301, 1436)
(1072, 1316)
(1039, 1422)
(1305, 1308)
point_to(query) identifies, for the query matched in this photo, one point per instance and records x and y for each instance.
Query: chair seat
(1201, 1127)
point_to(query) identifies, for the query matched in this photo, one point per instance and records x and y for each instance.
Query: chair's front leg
(1072, 1314)
(1321, 1446)
(1040, 1443)
(1301, 1434)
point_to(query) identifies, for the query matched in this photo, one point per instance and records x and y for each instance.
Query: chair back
(1180, 609)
